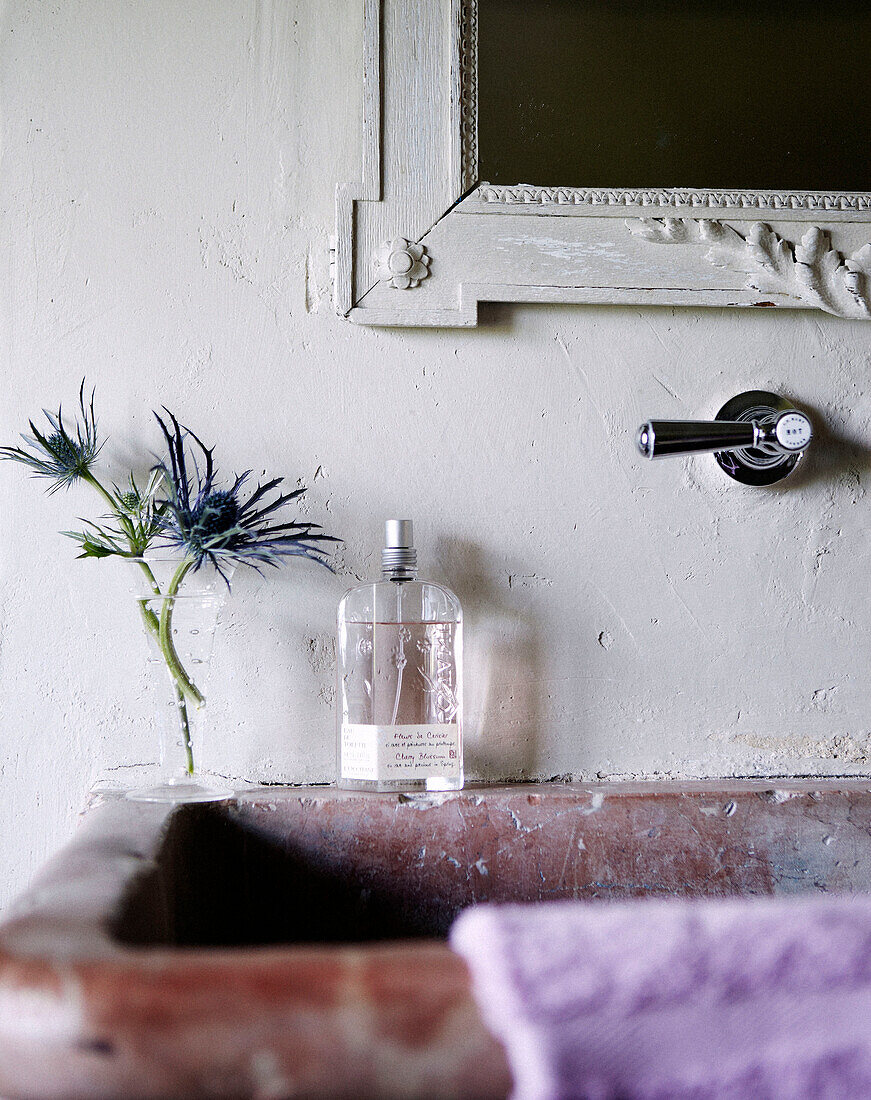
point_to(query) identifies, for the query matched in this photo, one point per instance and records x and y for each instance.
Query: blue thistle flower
(61, 455)
(218, 525)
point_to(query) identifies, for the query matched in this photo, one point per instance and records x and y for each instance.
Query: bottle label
(400, 752)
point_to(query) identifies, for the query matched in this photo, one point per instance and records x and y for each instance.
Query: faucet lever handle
(662, 438)
(757, 437)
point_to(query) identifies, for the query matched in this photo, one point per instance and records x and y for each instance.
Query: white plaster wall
(166, 188)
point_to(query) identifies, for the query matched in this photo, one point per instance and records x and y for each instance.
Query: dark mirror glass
(675, 93)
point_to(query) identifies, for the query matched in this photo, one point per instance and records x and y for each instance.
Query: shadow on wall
(502, 702)
(832, 456)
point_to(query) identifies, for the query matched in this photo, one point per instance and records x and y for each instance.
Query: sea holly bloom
(133, 521)
(68, 455)
(59, 454)
(180, 506)
(221, 526)
(131, 528)
(224, 525)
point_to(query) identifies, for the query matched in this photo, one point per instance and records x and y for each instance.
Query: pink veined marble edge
(84, 1015)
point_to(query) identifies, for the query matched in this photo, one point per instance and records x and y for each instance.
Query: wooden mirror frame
(421, 240)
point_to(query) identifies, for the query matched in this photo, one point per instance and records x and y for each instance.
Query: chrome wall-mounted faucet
(757, 437)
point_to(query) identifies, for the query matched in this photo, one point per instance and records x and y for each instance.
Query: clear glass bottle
(400, 678)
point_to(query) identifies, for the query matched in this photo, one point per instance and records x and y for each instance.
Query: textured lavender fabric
(750, 999)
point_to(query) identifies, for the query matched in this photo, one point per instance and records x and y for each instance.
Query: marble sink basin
(290, 942)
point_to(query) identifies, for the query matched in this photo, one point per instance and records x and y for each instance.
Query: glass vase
(178, 609)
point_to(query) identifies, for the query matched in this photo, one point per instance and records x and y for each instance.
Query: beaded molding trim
(521, 193)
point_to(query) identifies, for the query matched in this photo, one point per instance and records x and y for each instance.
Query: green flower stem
(181, 703)
(113, 505)
(102, 490)
(161, 629)
(166, 643)
(149, 619)
(188, 688)
(152, 626)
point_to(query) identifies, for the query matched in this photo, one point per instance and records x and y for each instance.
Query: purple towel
(755, 999)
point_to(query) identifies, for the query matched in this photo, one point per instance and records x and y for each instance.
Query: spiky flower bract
(214, 524)
(132, 527)
(61, 455)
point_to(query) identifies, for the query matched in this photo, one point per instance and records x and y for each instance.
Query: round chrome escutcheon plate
(752, 465)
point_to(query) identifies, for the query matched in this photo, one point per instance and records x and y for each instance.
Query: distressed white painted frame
(421, 240)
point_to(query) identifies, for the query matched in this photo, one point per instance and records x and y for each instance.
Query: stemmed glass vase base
(192, 789)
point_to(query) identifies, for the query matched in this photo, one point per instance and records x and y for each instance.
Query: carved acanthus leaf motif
(811, 270)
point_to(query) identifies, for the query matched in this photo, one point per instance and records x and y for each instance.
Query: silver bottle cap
(399, 557)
